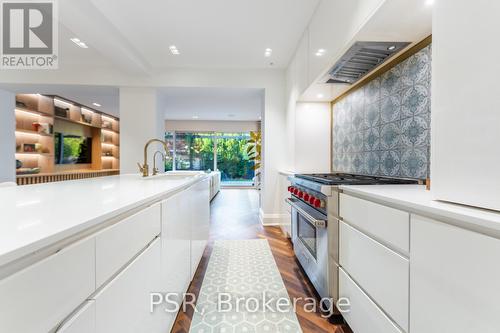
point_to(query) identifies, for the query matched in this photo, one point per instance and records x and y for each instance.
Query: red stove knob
(290, 188)
(295, 191)
(317, 203)
(311, 200)
(306, 197)
(301, 194)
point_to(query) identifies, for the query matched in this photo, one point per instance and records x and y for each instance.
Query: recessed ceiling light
(320, 52)
(195, 117)
(319, 96)
(96, 104)
(173, 49)
(392, 48)
(78, 42)
(268, 52)
(429, 2)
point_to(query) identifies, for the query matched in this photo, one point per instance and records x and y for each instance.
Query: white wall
(212, 125)
(465, 150)
(312, 137)
(7, 137)
(272, 81)
(140, 120)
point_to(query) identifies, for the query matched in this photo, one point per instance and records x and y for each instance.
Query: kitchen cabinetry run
(446, 281)
(103, 282)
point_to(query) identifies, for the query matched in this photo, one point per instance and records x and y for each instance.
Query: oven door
(310, 243)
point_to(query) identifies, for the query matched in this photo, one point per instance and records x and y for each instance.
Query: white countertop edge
(286, 173)
(476, 219)
(31, 248)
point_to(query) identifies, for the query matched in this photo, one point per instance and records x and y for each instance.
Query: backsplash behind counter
(383, 128)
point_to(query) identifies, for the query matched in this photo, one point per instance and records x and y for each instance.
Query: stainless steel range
(315, 223)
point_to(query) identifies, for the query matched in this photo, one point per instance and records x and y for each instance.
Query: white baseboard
(273, 219)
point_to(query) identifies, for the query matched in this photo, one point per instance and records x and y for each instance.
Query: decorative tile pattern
(244, 269)
(383, 128)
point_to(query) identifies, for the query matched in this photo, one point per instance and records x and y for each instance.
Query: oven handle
(318, 223)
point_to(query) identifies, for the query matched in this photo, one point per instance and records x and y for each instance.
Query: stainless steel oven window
(307, 233)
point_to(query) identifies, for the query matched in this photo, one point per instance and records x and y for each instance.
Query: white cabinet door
(39, 297)
(302, 59)
(83, 321)
(364, 315)
(454, 279)
(175, 250)
(380, 272)
(118, 244)
(124, 304)
(200, 221)
(385, 224)
(176, 243)
(465, 114)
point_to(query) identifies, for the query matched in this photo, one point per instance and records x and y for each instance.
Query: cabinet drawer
(123, 305)
(388, 225)
(381, 273)
(39, 297)
(83, 321)
(119, 243)
(364, 315)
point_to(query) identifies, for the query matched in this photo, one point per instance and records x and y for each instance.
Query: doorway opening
(227, 152)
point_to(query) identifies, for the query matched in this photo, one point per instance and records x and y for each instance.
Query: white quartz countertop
(416, 199)
(35, 216)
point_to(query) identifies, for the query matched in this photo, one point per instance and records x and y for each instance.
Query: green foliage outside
(195, 151)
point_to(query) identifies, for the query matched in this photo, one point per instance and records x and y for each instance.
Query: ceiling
(230, 104)
(136, 35)
(108, 97)
(226, 104)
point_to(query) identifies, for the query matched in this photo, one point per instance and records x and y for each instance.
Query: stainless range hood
(360, 59)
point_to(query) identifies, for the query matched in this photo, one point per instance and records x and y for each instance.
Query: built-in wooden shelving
(36, 122)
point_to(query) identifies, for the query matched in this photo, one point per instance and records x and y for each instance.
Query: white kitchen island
(85, 256)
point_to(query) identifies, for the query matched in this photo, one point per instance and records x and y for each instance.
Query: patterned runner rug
(242, 291)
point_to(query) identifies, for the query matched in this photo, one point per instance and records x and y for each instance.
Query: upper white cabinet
(465, 155)
(454, 279)
(332, 27)
(300, 71)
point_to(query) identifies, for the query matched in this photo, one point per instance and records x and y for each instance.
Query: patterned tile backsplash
(383, 128)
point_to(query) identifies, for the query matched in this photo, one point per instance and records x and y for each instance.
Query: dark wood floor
(234, 215)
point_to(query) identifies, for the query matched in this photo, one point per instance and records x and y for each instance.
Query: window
(232, 159)
(226, 152)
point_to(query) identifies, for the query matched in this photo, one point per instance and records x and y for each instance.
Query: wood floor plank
(234, 215)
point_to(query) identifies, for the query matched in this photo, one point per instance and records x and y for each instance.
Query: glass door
(232, 159)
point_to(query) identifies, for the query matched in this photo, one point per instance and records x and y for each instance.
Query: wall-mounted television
(72, 149)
